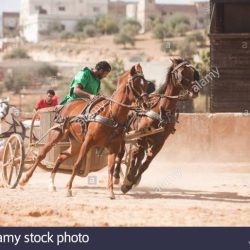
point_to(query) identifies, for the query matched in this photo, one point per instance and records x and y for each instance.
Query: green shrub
(196, 37)
(160, 31)
(187, 49)
(130, 27)
(47, 70)
(55, 26)
(90, 30)
(107, 25)
(67, 35)
(80, 36)
(17, 80)
(80, 25)
(109, 83)
(17, 53)
(124, 39)
(181, 29)
(177, 19)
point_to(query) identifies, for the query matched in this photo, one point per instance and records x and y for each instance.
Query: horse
(101, 123)
(180, 77)
(9, 123)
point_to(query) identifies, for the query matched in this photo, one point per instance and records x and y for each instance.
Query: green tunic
(88, 82)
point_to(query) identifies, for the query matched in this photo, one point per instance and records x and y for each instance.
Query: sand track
(170, 194)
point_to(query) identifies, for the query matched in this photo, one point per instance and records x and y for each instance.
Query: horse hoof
(52, 188)
(112, 196)
(125, 188)
(127, 182)
(137, 182)
(69, 193)
(116, 181)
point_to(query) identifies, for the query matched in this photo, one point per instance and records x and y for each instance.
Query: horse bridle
(178, 77)
(132, 89)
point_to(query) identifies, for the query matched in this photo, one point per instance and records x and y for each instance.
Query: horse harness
(87, 116)
(13, 126)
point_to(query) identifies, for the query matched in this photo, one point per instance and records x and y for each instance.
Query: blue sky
(13, 5)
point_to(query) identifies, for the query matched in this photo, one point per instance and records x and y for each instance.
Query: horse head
(137, 85)
(185, 77)
(4, 109)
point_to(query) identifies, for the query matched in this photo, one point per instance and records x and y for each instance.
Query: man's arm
(78, 91)
(38, 105)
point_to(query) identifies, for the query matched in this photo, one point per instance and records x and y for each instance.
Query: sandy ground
(170, 194)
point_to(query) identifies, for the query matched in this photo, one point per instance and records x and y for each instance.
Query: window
(96, 9)
(61, 8)
(234, 21)
(40, 9)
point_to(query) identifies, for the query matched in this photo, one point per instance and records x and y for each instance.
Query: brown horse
(107, 131)
(181, 77)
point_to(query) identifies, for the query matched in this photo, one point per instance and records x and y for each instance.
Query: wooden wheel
(13, 160)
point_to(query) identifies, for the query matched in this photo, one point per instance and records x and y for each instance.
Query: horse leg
(118, 164)
(54, 137)
(67, 154)
(137, 157)
(88, 142)
(154, 151)
(111, 166)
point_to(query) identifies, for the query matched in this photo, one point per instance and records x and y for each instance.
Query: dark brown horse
(181, 77)
(107, 131)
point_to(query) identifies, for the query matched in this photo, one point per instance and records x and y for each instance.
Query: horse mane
(163, 87)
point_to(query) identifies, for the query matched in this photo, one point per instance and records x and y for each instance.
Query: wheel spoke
(6, 164)
(10, 176)
(17, 159)
(15, 148)
(11, 150)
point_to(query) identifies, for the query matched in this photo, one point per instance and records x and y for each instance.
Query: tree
(66, 35)
(161, 31)
(196, 37)
(187, 49)
(107, 25)
(80, 25)
(124, 39)
(17, 80)
(47, 70)
(17, 53)
(177, 19)
(130, 27)
(90, 30)
(109, 83)
(181, 29)
(55, 26)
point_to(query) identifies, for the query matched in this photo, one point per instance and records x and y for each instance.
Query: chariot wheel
(13, 160)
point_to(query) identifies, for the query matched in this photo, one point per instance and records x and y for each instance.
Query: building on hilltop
(37, 15)
(148, 10)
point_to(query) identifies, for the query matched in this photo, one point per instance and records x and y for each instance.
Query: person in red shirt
(51, 100)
